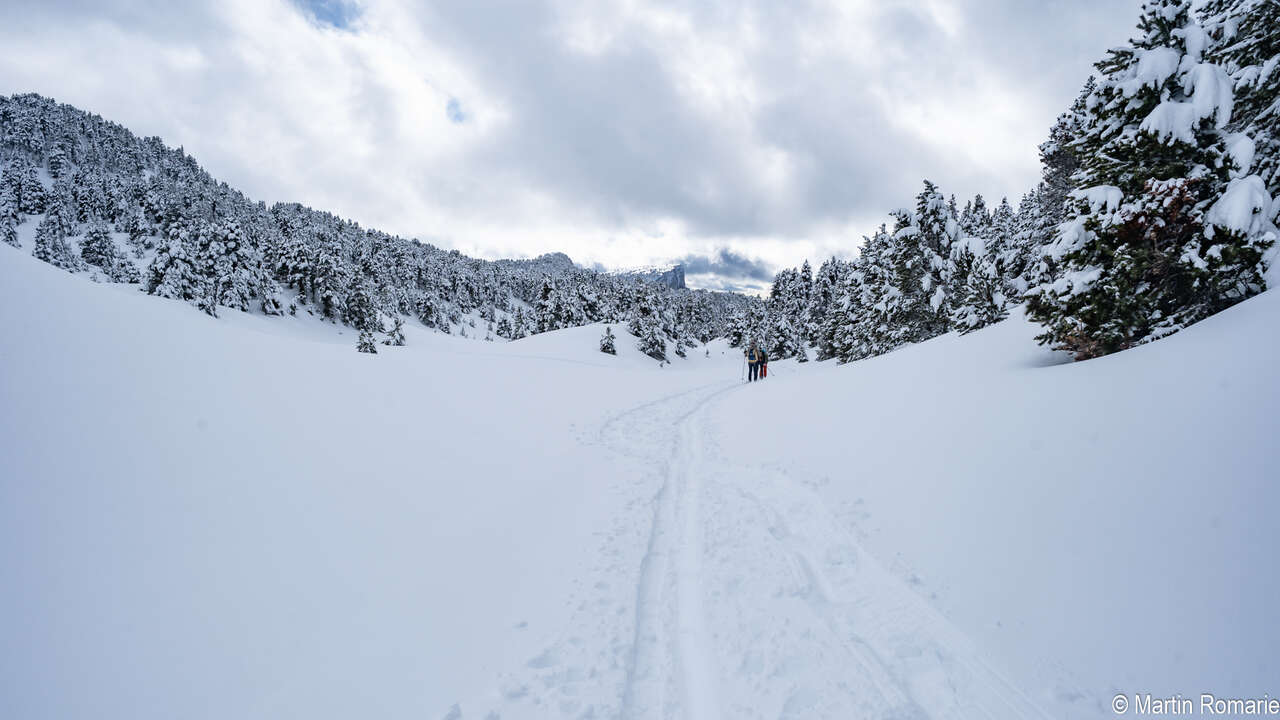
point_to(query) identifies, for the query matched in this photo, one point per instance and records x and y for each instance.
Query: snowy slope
(246, 518)
(206, 518)
(1106, 526)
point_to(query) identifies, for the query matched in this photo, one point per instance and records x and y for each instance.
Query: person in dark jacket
(754, 357)
(764, 365)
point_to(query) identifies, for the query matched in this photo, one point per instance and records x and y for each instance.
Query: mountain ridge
(120, 208)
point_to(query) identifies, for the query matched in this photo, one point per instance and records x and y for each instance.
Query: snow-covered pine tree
(757, 325)
(365, 343)
(331, 278)
(31, 193)
(10, 182)
(586, 307)
(1059, 161)
(228, 266)
(936, 230)
(979, 300)
(1044, 208)
(395, 336)
(93, 196)
(905, 279)
(832, 327)
(975, 218)
(56, 159)
(802, 298)
(999, 232)
(651, 342)
(798, 341)
(520, 325)
(607, 341)
(9, 217)
(1247, 44)
(291, 263)
(1139, 258)
(549, 311)
(737, 330)
(51, 235)
(503, 329)
(134, 222)
(1020, 264)
(780, 335)
(361, 311)
(99, 250)
(826, 287)
(1002, 257)
(432, 313)
(646, 325)
(172, 272)
(882, 294)
(858, 324)
(786, 307)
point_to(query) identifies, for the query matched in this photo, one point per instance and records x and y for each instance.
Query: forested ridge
(126, 209)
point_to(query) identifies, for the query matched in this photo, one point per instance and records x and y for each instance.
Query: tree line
(1154, 211)
(126, 209)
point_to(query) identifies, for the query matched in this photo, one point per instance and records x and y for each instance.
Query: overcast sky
(738, 137)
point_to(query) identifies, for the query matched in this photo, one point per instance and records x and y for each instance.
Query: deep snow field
(245, 518)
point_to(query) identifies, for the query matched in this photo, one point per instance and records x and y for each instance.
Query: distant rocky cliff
(669, 276)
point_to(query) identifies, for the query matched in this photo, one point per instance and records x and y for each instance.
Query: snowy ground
(245, 518)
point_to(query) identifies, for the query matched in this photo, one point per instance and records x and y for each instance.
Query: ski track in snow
(669, 594)
(734, 592)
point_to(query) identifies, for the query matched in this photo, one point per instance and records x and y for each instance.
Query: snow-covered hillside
(241, 517)
(1100, 527)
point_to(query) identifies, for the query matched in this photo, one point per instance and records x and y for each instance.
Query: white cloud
(623, 133)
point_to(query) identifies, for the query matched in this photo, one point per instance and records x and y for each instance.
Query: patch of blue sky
(338, 14)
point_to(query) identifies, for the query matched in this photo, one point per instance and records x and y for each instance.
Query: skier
(753, 361)
(764, 365)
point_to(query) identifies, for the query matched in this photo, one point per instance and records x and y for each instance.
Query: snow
(1100, 197)
(1245, 206)
(1191, 255)
(1170, 121)
(1154, 67)
(1209, 92)
(1196, 40)
(1241, 148)
(1098, 526)
(644, 269)
(1074, 282)
(1267, 68)
(243, 517)
(939, 297)
(217, 518)
(974, 244)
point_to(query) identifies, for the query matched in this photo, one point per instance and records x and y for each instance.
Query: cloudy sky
(737, 137)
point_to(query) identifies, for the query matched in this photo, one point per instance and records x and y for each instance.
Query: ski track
(669, 595)
(734, 592)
